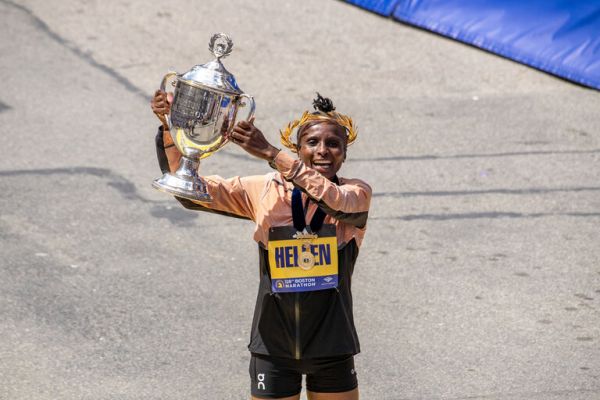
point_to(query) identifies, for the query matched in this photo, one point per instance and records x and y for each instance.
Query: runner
(309, 226)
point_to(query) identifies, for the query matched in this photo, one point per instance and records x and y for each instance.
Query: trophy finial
(220, 45)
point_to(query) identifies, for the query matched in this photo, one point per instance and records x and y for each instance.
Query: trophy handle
(165, 79)
(252, 105)
(163, 87)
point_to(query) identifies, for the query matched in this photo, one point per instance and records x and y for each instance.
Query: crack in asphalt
(483, 155)
(4, 107)
(484, 215)
(116, 181)
(160, 208)
(182, 217)
(431, 157)
(43, 27)
(528, 191)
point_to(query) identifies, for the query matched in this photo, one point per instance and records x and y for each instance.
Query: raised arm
(324, 149)
(231, 197)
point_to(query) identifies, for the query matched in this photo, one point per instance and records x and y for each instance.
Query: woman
(303, 322)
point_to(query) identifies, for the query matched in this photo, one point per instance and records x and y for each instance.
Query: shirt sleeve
(234, 197)
(354, 196)
(238, 195)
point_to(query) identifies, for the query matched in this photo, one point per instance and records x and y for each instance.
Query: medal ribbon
(298, 212)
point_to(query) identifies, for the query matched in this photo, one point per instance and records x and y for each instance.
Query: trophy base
(185, 182)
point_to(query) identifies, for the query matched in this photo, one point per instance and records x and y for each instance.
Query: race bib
(301, 262)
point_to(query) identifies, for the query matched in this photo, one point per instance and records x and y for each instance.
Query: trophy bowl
(204, 110)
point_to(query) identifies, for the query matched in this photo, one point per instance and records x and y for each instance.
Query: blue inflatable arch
(561, 37)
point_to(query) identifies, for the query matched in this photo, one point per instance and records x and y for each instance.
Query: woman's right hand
(161, 106)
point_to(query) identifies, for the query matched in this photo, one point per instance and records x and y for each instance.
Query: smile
(322, 163)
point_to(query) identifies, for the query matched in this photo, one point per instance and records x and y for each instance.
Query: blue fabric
(383, 7)
(557, 36)
(561, 37)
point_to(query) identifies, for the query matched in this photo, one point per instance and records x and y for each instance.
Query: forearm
(353, 196)
(190, 205)
(357, 219)
(166, 151)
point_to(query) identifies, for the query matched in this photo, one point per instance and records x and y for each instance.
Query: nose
(322, 149)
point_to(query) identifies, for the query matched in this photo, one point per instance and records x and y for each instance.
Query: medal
(306, 261)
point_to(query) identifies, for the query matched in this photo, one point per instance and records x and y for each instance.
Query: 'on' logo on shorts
(261, 381)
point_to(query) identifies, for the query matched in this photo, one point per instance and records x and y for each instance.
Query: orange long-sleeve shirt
(266, 199)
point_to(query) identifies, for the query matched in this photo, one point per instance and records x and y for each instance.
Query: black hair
(323, 104)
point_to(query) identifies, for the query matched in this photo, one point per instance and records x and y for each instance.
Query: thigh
(333, 376)
(350, 395)
(272, 378)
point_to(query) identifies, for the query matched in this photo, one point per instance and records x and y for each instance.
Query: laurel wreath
(223, 47)
(340, 119)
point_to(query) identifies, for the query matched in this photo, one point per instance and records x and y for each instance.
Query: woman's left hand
(251, 139)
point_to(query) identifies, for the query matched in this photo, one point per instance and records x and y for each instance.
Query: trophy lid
(213, 74)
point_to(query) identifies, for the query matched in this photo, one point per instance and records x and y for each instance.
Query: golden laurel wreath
(340, 119)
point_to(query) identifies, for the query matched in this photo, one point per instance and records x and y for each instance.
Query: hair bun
(323, 104)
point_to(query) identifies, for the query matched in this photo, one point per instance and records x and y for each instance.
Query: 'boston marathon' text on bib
(304, 263)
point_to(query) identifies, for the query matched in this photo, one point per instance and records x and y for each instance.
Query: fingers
(239, 136)
(252, 140)
(243, 133)
(237, 139)
(159, 96)
(244, 128)
(160, 103)
(244, 125)
(161, 106)
(247, 124)
(161, 100)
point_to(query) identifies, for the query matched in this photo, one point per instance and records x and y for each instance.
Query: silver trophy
(204, 109)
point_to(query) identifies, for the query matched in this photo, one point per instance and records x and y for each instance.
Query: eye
(311, 142)
(333, 143)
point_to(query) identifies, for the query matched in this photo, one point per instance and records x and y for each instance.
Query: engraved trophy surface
(204, 109)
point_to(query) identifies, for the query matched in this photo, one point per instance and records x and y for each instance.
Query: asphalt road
(480, 274)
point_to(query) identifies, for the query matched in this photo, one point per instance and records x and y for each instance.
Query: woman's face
(323, 148)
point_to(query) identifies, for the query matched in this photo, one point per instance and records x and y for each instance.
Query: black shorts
(273, 377)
